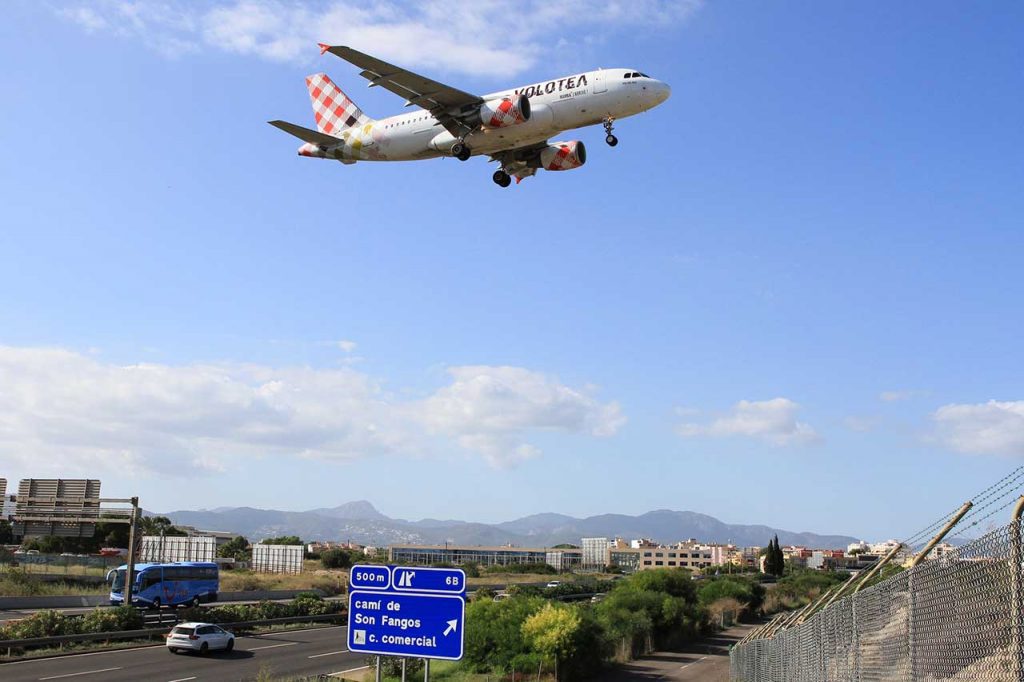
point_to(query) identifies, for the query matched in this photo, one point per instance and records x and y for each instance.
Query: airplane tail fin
(333, 109)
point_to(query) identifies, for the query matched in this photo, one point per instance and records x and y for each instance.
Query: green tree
(283, 540)
(552, 632)
(6, 533)
(494, 633)
(237, 548)
(336, 558)
(157, 525)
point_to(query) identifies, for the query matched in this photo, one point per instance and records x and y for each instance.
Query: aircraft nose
(663, 91)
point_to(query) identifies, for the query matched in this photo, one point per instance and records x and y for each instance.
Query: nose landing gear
(608, 127)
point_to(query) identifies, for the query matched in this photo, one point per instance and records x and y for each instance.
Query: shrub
(114, 619)
(41, 624)
(335, 558)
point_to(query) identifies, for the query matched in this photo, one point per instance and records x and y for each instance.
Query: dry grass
(330, 582)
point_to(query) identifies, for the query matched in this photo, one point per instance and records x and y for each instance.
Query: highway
(298, 652)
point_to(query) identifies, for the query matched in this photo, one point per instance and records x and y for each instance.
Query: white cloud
(995, 427)
(64, 413)
(490, 409)
(490, 37)
(774, 421)
(346, 345)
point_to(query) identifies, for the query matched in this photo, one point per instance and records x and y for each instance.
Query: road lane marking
(271, 646)
(94, 653)
(184, 679)
(350, 670)
(84, 672)
(694, 662)
(329, 653)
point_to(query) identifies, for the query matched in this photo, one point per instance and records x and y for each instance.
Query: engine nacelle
(560, 156)
(504, 112)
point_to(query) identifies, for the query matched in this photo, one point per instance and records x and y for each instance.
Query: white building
(595, 552)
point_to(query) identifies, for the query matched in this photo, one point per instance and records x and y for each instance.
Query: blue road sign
(429, 580)
(406, 624)
(369, 577)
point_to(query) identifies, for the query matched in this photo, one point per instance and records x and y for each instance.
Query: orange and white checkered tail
(333, 109)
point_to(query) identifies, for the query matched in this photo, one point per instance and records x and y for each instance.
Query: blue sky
(790, 296)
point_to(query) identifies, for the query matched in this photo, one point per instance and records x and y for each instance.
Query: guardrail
(61, 640)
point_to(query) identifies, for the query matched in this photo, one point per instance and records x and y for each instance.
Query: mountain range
(360, 522)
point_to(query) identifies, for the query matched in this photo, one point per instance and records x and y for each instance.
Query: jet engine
(504, 112)
(560, 156)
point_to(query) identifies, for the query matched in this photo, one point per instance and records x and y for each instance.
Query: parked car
(201, 637)
(554, 583)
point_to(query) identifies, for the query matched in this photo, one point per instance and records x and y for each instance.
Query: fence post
(1017, 591)
(855, 640)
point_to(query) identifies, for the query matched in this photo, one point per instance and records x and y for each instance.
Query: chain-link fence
(956, 617)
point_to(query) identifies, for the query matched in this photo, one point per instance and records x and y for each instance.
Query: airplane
(512, 127)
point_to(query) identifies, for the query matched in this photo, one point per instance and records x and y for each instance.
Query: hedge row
(54, 623)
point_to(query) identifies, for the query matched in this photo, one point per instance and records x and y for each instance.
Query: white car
(201, 637)
(554, 583)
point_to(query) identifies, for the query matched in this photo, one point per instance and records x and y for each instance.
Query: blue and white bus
(175, 584)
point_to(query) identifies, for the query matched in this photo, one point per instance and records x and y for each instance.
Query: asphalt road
(703, 661)
(299, 652)
(17, 614)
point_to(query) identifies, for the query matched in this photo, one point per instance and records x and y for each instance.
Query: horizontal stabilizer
(307, 135)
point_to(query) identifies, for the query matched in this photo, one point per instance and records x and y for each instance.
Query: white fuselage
(556, 105)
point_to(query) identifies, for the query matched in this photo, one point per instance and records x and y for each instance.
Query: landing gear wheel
(156, 603)
(461, 151)
(501, 178)
(195, 602)
(609, 125)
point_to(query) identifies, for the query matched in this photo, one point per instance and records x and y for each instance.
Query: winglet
(323, 48)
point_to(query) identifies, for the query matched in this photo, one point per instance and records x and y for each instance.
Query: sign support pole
(377, 674)
(127, 592)
(426, 670)
(403, 670)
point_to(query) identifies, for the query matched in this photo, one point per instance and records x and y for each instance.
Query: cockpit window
(634, 75)
(627, 75)
(643, 75)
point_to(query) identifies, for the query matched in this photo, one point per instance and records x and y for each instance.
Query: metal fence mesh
(956, 617)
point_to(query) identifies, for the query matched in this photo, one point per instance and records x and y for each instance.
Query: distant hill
(361, 522)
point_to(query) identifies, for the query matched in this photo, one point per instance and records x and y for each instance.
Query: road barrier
(59, 641)
(57, 602)
(954, 617)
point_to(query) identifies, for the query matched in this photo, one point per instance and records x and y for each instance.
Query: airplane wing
(448, 105)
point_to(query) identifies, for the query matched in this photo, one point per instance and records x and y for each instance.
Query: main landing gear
(608, 127)
(461, 150)
(501, 178)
